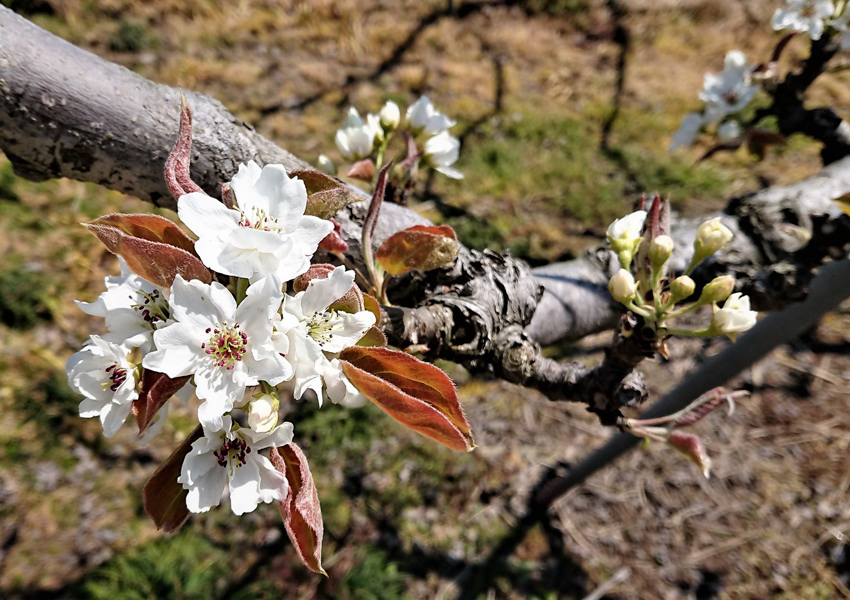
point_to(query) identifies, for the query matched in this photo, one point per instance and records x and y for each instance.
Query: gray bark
(67, 113)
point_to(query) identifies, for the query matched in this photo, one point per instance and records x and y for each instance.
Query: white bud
(682, 287)
(712, 236)
(262, 413)
(390, 115)
(622, 286)
(728, 131)
(718, 289)
(326, 164)
(660, 250)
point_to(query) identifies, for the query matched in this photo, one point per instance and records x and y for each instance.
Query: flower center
(226, 345)
(232, 451)
(258, 219)
(154, 307)
(320, 327)
(117, 376)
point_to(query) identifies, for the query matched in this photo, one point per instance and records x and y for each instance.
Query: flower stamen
(226, 346)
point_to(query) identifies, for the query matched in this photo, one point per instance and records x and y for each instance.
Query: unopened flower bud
(622, 286)
(390, 115)
(712, 236)
(717, 290)
(625, 236)
(681, 288)
(262, 413)
(326, 164)
(691, 446)
(660, 250)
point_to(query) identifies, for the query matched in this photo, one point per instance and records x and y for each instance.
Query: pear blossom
(688, 130)
(228, 457)
(728, 131)
(730, 91)
(424, 119)
(806, 16)
(390, 115)
(441, 151)
(266, 233)
(842, 26)
(628, 228)
(712, 236)
(310, 334)
(356, 139)
(101, 373)
(226, 348)
(133, 308)
(735, 317)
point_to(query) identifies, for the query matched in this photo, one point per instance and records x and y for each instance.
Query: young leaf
(156, 262)
(363, 169)
(301, 512)
(164, 499)
(149, 227)
(418, 248)
(157, 388)
(177, 176)
(334, 241)
(691, 446)
(371, 304)
(414, 393)
(373, 337)
(327, 195)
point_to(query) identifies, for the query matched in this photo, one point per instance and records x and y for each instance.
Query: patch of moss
(376, 577)
(131, 36)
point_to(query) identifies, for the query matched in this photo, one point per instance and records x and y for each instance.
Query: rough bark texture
(67, 113)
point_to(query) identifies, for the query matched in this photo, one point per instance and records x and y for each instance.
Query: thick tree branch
(67, 113)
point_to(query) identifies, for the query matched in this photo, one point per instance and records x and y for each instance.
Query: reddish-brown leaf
(691, 446)
(149, 227)
(373, 337)
(315, 180)
(177, 176)
(371, 304)
(334, 241)
(418, 248)
(362, 169)
(164, 499)
(157, 388)
(414, 393)
(157, 262)
(301, 512)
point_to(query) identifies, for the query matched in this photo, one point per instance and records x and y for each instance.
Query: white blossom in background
(735, 317)
(226, 348)
(441, 152)
(730, 91)
(265, 234)
(806, 16)
(390, 115)
(424, 119)
(228, 457)
(728, 131)
(356, 139)
(841, 26)
(688, 130)
(314, 334)
(101, 373)
(132, 307)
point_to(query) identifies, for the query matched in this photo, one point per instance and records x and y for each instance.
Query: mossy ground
(531, 84)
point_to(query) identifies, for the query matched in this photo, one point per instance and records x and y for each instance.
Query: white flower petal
(205, 215)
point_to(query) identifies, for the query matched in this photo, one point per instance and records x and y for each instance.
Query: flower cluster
(806, 16)
(657, 296)
(423, 125)
(237, 344)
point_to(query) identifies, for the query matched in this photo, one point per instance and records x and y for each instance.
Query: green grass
(24, 298)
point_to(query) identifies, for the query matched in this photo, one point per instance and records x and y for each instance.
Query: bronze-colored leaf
(164, 499)
(301, 511)
(418, 248)
(371, 304)
(414, 393)
(691, 446)
(362, 169)
(373, 337)
(157, 388)
(334, 241)
(149, 227)
(156, 262)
